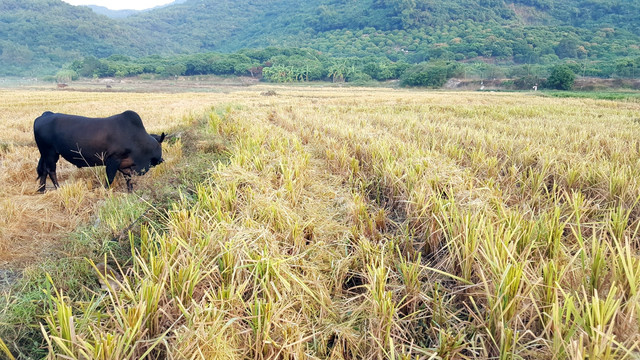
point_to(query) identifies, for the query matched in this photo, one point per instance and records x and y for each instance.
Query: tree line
(279, 65)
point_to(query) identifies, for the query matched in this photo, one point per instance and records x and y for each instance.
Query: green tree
(278, 73)
(16, 54)
(561, 78)
(174, 70)
(627, 68)
(89, 66)
(339, 71)
(431, 74)
(567, 48)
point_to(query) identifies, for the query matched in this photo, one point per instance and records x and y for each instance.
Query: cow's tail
(42, 168)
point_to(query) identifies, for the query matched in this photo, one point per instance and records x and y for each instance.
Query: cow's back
(130, 119)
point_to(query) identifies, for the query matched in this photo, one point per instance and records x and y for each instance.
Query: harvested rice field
(330, 223)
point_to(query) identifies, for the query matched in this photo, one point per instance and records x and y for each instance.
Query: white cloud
(121, 4)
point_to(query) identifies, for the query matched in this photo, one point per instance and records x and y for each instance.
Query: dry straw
(375, 223)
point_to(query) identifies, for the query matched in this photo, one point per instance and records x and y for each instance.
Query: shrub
(65, 76)
(431, 74)
(561, 78)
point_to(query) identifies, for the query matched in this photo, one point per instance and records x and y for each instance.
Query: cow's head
(151, 157)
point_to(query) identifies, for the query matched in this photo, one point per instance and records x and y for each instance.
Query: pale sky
(121, 4)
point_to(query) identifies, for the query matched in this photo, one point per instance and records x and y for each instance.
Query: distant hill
(38, 36)
(114, 14)
(521, 31)
(120, 14)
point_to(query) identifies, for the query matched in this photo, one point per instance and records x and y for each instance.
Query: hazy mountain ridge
(115, 14)
(39, 34)
(120, 14)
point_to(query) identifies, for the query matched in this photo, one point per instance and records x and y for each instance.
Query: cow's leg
(51, 168)
(112, 169)
(47, 166)
(42, 174)
(54, 178)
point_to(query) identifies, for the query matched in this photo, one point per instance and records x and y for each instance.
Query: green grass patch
(597, 95)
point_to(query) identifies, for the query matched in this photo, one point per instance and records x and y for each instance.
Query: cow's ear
(158, 138)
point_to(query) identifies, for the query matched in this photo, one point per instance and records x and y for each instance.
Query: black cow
(119, 142)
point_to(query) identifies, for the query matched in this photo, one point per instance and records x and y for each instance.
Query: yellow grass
(357, 223)
(32, 225)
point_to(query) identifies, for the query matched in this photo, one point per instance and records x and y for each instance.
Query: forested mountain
(37, 36)
(42, 35)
